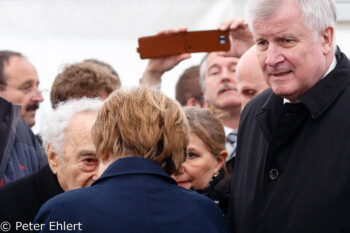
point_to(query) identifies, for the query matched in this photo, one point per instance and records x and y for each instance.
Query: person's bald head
(249, 76)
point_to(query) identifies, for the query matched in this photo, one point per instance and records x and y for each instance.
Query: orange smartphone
(183, 42)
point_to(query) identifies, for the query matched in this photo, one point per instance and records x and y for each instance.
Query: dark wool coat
(22, 199)
(292, 171)
(133, 195)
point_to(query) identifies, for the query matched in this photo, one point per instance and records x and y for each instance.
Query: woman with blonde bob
(141, 137)
(142, 123)
(204, 167)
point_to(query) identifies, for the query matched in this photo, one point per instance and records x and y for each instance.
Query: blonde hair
(145, 122)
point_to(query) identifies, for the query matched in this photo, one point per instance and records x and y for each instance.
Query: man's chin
(284, 93)
(29, 119)
(229, 104)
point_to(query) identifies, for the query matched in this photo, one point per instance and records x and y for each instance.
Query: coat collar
(8, 126)
(134, 165)
(325, 92)
(6, 105)
(269, 113)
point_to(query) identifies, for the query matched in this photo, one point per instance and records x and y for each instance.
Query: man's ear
(327, 40)
(220, 159)
(193, 102)
(206, 101)
(52, 158)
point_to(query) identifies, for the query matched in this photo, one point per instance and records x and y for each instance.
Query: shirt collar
(228, 130)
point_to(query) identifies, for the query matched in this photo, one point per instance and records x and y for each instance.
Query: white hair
(53, 131)
(317, 14)
(202, 67)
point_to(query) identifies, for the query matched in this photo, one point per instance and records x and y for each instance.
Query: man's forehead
(18, 62)
(215, 59)
(78, 132)
(280, 22)
(19, 68)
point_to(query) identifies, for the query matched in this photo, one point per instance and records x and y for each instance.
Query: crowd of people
(255, 141)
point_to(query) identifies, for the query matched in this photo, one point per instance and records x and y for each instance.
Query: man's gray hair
(202, 68)
(317, 14)
(53, 131)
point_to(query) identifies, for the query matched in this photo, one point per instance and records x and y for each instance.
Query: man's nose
(273, 56)
(228, 75)
(37, 95)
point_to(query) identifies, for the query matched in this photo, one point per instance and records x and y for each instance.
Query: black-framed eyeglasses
(27, 90)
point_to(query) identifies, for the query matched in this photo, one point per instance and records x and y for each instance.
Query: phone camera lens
(222, 39)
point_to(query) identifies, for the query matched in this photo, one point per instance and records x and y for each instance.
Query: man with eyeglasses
(20, 152)
(19, 84)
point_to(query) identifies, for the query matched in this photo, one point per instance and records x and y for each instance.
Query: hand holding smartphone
(183, 42)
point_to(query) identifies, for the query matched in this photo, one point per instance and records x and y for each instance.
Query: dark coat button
(273, 174)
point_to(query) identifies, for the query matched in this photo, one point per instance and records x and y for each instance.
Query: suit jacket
(22, 199)
(292, 171)
(133, 195)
